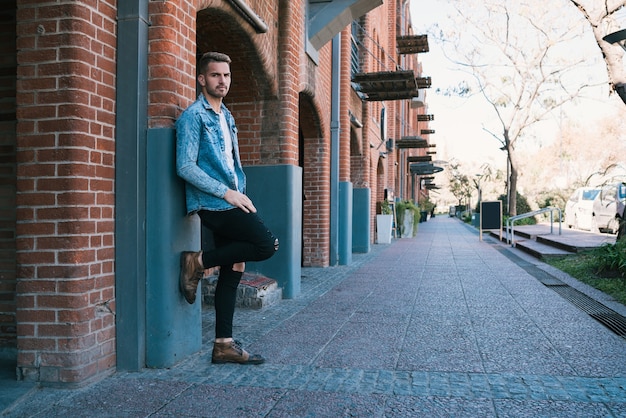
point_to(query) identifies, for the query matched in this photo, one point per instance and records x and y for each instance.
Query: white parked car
(579, 208)
(608, 208)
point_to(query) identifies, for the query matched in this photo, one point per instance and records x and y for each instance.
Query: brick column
(344, 116)
(65, 190)
(290, 51)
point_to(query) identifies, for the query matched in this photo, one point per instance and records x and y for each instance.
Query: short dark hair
(208, 57)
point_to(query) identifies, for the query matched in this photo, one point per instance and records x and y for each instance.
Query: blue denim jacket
(199, 161)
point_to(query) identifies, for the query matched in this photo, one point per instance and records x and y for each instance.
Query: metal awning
(387, 85)
(329, 17)
(412, 44)
(419, 159)
(415, 142)
(423, 82)
(412, 142)
(424, 168)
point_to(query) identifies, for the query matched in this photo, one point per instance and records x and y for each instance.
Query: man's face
(215, 81)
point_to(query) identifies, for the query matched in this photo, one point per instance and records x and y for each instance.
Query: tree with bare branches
(520, 61)
(601, 17)
(460, 185)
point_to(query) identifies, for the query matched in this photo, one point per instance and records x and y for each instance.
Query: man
(207, 158)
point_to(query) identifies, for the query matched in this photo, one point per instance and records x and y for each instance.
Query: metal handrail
(510, 223)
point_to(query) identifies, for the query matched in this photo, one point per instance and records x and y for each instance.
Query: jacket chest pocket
(211, 136)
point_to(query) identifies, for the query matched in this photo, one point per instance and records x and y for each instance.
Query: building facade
(329, 103)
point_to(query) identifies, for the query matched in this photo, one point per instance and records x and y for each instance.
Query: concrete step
(541, 241)
(540, 250)
(255, 291)
(529, 243)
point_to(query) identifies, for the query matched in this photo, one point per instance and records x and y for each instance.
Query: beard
(218, 91)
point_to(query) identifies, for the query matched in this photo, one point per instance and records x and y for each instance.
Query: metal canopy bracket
(387, 85)
(329, 17)
(255, 20)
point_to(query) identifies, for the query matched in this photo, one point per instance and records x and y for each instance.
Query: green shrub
(611, 258)
(401, 207)
(523, 221)
(522, 204)
(383, 208)
(427, 205)
(586, 265)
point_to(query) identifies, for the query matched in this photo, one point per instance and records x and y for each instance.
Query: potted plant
(384, 223)
(407, 216)
(427, 207)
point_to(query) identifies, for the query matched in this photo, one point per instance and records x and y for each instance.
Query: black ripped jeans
(238, 237)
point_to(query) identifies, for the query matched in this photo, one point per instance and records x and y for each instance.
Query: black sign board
(491, 216)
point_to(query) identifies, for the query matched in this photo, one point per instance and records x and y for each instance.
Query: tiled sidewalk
(438, 325)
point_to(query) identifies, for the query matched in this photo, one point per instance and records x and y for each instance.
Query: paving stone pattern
(438, 325)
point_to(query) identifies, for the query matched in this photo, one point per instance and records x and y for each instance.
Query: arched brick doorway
(252, 94)
(315, 161)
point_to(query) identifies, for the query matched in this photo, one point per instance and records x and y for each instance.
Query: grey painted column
(361, 220)
(334, 149)
(173, 327)
(130, 183)
(276, 191)
(345, 223)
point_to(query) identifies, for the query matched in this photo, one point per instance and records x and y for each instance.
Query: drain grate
(606, 316)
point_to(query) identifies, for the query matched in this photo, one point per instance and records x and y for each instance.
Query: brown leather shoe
(191, 271)
(231, 352)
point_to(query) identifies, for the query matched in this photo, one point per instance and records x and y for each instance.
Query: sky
(459, 123)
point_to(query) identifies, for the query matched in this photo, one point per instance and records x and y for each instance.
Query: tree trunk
(512, 180)
(513, 190)
(621, 230)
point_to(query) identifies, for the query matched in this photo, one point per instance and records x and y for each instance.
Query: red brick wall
(65, 189)
(65, 137)
(7, 175)
(171, 60)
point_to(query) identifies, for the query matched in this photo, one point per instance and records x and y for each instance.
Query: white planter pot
(384, 224)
